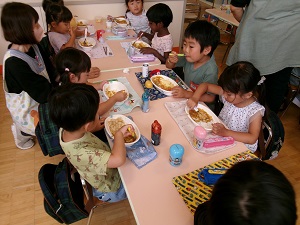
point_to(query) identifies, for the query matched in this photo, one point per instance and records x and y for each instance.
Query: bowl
(88, 44)
(121, 22)
(81, 23)
(116, 121)
(206, 125)
(112, 87)
(163, 83)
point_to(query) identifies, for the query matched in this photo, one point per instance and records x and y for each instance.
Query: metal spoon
(85, 35)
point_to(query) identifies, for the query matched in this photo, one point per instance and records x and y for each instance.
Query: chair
(90, 202)
(192, 11)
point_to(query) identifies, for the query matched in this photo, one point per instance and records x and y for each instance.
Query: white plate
(89, 40)
(126, 121)
(206, 126)
(140, 44)
(120, 21)
(115, 86)
(168, 93)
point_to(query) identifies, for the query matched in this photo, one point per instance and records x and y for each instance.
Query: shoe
(21, 141)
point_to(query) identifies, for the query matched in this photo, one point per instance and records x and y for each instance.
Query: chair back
(192, 11)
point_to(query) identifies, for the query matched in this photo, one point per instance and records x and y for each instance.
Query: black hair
(160, 12)
(127, 1)
(205, 33)
(243, 77)
(58, 13)
(71, 60)
(73, 105)
(252, 192)
(17, 23)
(47, 3)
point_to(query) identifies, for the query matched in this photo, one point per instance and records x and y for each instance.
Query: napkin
(141, 153)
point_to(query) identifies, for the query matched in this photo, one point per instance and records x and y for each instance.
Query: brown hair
(17, 20)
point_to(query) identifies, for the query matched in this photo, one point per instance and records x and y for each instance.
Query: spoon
(138, 38)
(85, 34)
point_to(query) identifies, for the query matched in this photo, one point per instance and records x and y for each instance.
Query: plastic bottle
(176, 153)
(155, 132)
(199, 137)
(146, 99)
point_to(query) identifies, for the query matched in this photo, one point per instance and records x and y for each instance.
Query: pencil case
(211, 176)
(218, 141)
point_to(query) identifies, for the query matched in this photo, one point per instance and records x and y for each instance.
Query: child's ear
(207, 50)
(248, 95)
(53, 24)
(73, 78)
(87, 127)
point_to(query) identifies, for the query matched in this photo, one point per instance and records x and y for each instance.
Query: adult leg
(276, 88)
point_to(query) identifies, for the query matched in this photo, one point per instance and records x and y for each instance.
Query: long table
(152, 196)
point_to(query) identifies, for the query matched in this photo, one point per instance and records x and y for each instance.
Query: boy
(74, 107)
(201, 38)
(160, 16)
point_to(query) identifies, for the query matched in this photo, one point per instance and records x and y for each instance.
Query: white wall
(89, 11)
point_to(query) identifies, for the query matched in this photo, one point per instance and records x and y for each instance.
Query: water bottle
(176, 154)
(146, 99)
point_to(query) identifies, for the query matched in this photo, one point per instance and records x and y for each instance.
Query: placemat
(193, 191)
(177, 111)
(133, 100)
(98, 51)
(137, 57)
(154, 93)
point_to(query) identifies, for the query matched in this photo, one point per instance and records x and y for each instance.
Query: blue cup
(176, 154)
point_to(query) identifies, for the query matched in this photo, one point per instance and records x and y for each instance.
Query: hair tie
(67, 69)
(262, 79)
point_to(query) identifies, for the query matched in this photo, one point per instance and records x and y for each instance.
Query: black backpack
(63, 192)
(46, 132)
(272, 136)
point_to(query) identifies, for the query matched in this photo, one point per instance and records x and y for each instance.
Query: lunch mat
(139, 56)
(154, 93)
(98, 51)
(177, 111)
(193, 191)
(133, 100)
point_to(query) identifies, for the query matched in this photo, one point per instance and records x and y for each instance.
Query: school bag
(46, 132)
(63, 192)
(272, 136)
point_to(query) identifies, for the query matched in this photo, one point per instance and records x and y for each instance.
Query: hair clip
(67, 69)
(262, 79)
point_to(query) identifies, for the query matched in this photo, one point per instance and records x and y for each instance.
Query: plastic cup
(98, 19)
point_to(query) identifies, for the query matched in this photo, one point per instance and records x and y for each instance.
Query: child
(73, 66)
(74, 108)
(61, 35)
(201, 38)
(160, 16)
(28, 74)
(242, 91)
(251, 192)
(136, 16)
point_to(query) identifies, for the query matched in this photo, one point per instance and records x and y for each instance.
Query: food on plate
(110, 93)
(148, 84)
(80, 23)
(200, 116)
(121, 21)
(115, 124)
(163, 83)
(139, 45)
(86, 44)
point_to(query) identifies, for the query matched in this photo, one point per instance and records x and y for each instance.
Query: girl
(61, 34)
(242, 91)
(27, 72)
(160, 16)
(136, 16)
(73, 66)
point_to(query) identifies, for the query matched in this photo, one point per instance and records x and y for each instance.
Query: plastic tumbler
(176, 154)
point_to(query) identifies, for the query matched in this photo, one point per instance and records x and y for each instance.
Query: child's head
(242, 78)
(72, 65)
(135, 6)
(72, 106)
(252, 192)
(20, 25)
(47, 3)
(203, 33)
(159, 14)
(58, 17)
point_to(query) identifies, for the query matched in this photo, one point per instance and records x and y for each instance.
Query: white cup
(108, 24)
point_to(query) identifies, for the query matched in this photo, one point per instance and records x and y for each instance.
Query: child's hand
(173, 58)
(120, 96)
(94, 72)
(102, 84)
(178, 92)
(219, 129)
(140, 34)
(148, 50)
(126, 130)
(191, 102)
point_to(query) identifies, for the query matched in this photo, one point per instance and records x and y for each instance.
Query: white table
(151, 193)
